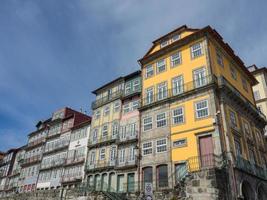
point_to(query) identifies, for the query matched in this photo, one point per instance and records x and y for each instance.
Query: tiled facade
(181, 125)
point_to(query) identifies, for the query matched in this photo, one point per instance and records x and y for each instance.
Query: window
(147, 175)
(106, 111)
(105, 131)
(117, 106)
(251, 154)
(97, 114)
(233, 119)
(122, 155)
(112, 153)
(199, 77)
(161, 120)
(161, 145)
(136, 85)
(178, 115)
(147, 123)
(147, 148)
(246, 128)
(180, 143)
(180, 171)
(244, 84)
(115, 129)
(128, 88)
(149, 71)
(149, 95)
(233, 72)
(219, 58)
(164, 43)
(202, 109)
(176, 37)
(177, 85)
(176, 59)
(102, 154)
(95, 134)
(135, 104)
(238, 147)
(132, 153)
(162, 176)
(257, 95)
(161, 66)
(126, 108)
(162, 91)
(196, 50)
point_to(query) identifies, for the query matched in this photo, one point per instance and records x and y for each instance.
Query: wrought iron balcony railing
(250, 167)
(179, 91)
(54, 163)
(126, 162)
(71, 178)
(102, 139)
(36, 142)
(32, 159)
(132, 91)
(106, 99)
(101, 164)
(124, 137)
(61, 145)
(75, 160)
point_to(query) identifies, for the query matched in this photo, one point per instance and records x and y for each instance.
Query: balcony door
(200, 77)
(206, 151)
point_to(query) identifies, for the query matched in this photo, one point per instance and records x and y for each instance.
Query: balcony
(75, 160)
(251, 168)
(53, 164)
(96, 142)
(180, 91)
(100, 165)
(127, 162)
(36, 142)
(127, 138)
(15, 172)
(71, 178)
(131, 92)
(106, 99)
(55, 148)
(31, 160)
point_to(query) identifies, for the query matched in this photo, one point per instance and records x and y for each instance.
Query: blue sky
(53, 53)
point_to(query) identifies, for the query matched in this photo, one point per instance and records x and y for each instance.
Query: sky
(53, 53)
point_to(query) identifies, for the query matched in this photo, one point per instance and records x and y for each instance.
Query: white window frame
(176, 37)
(149, 95)
(149, 71)
(178, 85)
(103, 130)
(161, 64)
(117, 106)
(164, 43)
(149, 123)
(179, 115)
(106, 110)
(219, 58)
(200, 109)
(200, 77)
(195, 49)
(150, 147)
(161, 145)
(162, 91)
(126, 108)
(233, 72)
(136, 84)
(181, 143)
(161, 120)
(102, 154)
(176, 59)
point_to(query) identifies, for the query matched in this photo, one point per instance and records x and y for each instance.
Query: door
(206, 151)
(130, 183)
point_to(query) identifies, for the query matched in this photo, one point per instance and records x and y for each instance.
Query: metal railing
(101, 139)
(101, 164)
(32, 159)
(127, 136)
(54, 163)
(36, 142)
(126, 161)
(106, 99)
(74, 160)
(132, 91)
(62, 144)
(71, 178)
(190, 86)
(250, 167)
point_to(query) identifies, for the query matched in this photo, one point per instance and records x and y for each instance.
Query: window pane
(163, 176)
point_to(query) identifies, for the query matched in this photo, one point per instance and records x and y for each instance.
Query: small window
(202, 109)
(102, 154)
(244, 84)
(106, 111)
(164, 43)
(149, 71)
(136, 85)
(135, 104)
(161, 66)
(257, 95)
(233, 119)
(178, 115)
(176, 37)
(176, 59)
(233, 72)
(161, 120)
(147, 148)
(180, 143)
(105, 131)
(126, 108)
(219, 58)
(162, 91)
(127, 88)
(161, 145)
(149, 95)
(147, 123)
(117, 106)
(196, 50)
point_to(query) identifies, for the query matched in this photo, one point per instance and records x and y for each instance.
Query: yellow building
(200, 92)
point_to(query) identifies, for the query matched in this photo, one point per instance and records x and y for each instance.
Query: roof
(121, 78)
(256, 70)
(206, 31)
(88, 122)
